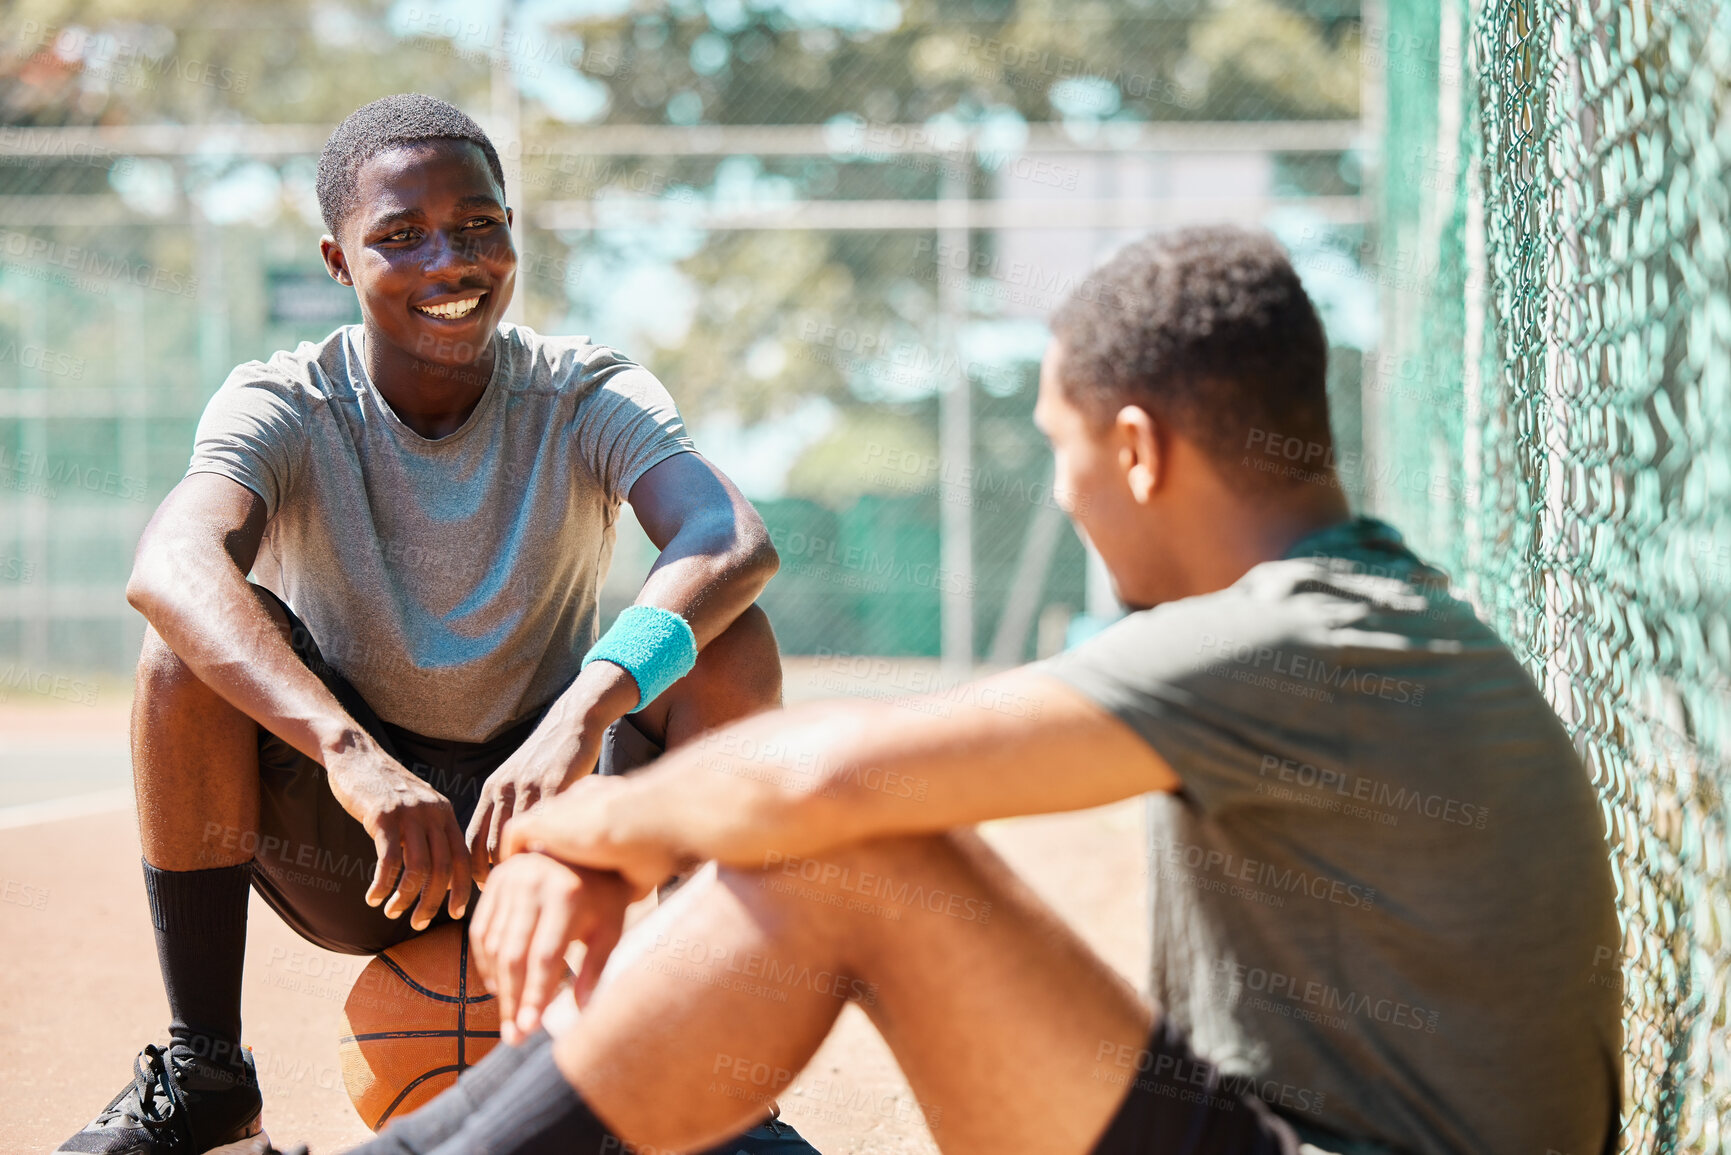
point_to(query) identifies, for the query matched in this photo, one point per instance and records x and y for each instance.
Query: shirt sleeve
(1218, 685)
(627, 425)
(253, 431)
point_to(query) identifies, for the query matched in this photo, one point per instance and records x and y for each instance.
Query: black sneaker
(177, 1104)
(770, 1137)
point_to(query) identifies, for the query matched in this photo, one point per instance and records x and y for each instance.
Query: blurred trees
(746, 326)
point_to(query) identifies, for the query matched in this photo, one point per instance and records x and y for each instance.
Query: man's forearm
(824, 774)
(203, 608)
(768, 784)
(705, 580)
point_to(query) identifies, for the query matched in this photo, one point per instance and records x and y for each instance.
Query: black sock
(536, 1112)
(426, 1128)
(200, 920)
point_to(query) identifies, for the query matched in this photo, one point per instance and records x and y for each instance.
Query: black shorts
(314, 862)
(1178, 1104)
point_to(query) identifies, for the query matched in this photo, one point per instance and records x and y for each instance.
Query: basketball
(417, 1017)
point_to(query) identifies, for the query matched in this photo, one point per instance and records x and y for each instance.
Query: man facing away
(427, 503)
(1383, 910)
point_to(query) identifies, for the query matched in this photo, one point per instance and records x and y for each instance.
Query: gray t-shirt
(453, 581)
(1382, 895)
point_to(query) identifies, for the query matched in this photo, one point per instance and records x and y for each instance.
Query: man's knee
(163, 674)
(877, 876)
(162, 671)
(742, 666)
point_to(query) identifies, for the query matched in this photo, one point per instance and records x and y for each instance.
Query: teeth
(451, 310)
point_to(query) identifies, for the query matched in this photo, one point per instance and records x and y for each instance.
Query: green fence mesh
(1557, 269)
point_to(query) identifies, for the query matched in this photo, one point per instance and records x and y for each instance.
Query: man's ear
(1138, 438)
(336, 261)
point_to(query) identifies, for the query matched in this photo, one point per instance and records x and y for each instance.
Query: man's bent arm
(800, 781)
(715, 559)
(189, 581)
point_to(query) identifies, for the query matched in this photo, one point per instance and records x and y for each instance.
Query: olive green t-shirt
(1382, 895)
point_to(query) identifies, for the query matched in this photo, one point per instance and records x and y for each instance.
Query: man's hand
(412, 826)
(553, 757)
(585, 827)
(530, 915)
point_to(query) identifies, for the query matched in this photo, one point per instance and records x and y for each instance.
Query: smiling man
(1383, 910)
(426, 504)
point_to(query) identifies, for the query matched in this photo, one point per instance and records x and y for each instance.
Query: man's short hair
(1207, 329)
(389, 122)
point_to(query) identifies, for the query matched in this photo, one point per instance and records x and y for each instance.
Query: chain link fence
(1557, 269)
(835, 234)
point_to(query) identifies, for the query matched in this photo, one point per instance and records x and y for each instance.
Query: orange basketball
(417, 1017)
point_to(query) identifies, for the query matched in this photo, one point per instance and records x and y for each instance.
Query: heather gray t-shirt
(1382, 894)
(453, 581)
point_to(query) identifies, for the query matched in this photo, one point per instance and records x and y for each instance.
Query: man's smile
(452, 308)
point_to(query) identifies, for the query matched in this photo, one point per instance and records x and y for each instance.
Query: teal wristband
(655, 646)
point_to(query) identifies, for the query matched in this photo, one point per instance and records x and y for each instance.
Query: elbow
(761, 559)
(142, 588)
(752, 560)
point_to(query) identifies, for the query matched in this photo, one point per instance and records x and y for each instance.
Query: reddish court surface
(81, 994)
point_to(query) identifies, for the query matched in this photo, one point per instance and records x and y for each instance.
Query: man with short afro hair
(1381, 900)
(1210, 330)
(426, 505)
(403, 118)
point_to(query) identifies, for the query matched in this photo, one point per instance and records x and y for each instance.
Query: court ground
(80, 992)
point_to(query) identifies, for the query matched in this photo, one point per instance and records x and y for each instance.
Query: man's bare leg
(194, 762)
(998, 1013)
